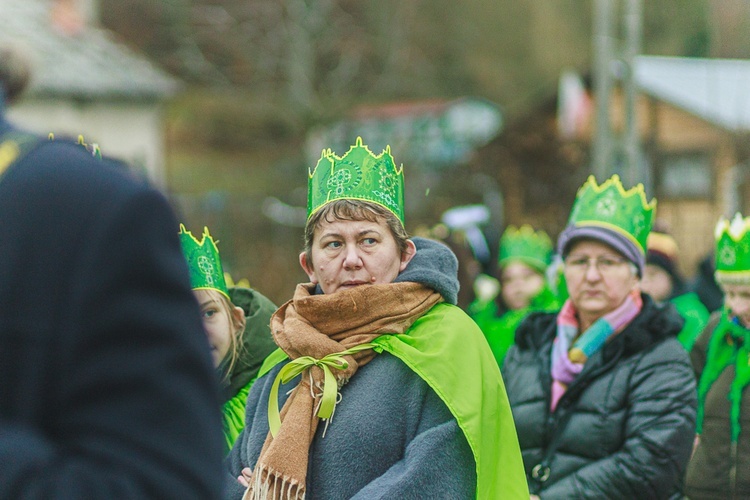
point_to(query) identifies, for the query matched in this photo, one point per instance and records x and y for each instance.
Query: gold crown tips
(736, 229)
(198, 242)
(637, 190)
(328, 154)
(183, 230)
(51, 136)
(527, 231)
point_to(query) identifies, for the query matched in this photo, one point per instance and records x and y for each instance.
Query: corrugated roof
(87, 65)
(717, 90)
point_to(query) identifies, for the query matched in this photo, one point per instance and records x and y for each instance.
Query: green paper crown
(612, 207)
(532, 248)
(92, 148)
(733, 250)
(358, 175)
(203, 261)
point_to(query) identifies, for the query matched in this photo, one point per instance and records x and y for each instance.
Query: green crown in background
(733, 250)
(92, 148)
(526, 245)
(612, 207)
(203, 261)
(358, 175)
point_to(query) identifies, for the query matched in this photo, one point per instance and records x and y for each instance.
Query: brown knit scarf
(319, 325)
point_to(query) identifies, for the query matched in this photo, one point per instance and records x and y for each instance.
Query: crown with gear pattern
(358, 175)
(733, 250)
(204, 263)
(534, 248)
(610, 206)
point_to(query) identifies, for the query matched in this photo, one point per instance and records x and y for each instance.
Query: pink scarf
(567, 361)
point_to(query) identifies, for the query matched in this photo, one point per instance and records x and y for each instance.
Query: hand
(244, 479)
(533, 497)
(696, 442)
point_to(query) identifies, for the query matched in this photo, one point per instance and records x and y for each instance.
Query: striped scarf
(567, 361)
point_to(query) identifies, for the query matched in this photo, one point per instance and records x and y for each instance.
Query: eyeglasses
(604, 265)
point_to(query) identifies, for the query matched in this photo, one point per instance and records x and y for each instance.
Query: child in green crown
(236, 321)
(524, 257)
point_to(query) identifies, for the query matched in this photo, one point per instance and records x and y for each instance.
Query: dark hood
(435, 266)
(257, 342)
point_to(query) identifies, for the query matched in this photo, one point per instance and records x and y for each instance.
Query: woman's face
(519, 284)
(737, 299)
(656, 282)
(598, 278)
(217, 322)
(347, 254)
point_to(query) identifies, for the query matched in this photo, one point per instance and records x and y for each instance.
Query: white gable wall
(129, 131)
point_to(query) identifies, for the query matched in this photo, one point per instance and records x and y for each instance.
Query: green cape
(728, 345)
(446, 349)
(500, 331)
(696, 317)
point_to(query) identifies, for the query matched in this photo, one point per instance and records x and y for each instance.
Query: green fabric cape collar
(447, 350)
(728, 346)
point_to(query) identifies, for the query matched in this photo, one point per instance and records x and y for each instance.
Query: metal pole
(602, 50)
(635, 167)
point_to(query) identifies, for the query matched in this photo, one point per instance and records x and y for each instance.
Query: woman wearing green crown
(602, 392)
(720, 467)
(383, 387)
(524, 257)
(236, 321)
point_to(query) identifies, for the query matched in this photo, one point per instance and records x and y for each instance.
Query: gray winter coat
(630, 413)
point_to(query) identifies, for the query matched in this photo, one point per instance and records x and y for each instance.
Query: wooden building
(694, 118)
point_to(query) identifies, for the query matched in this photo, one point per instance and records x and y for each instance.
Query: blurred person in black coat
(106, 384)
(704, 285)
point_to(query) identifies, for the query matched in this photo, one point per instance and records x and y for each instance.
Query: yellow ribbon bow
(330, 386)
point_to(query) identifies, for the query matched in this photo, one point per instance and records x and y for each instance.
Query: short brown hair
(355, 210)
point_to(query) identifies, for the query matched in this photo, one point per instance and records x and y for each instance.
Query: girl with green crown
(720, 466)
(524, 257)
(236, 321)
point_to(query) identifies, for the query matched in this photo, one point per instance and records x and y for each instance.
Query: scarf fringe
(269, 484)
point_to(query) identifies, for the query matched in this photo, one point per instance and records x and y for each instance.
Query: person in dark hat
(664, 283)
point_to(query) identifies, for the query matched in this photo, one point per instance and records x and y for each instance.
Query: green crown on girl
(524, 244)
(204, 263)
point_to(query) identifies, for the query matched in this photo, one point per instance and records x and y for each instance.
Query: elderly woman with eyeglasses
(603, 394)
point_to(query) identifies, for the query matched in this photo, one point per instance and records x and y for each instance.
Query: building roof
(716, 90)
(86, 64)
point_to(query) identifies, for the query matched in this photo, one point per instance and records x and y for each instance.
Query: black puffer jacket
(630, 413)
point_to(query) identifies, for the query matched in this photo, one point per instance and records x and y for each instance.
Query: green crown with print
(531, 247)
(358, 175)
(733, 250)
(204, 263)
(612, 207)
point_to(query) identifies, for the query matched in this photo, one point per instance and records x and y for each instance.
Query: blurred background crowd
(224, 102)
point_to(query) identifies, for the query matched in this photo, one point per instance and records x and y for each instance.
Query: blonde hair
(236, 346)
